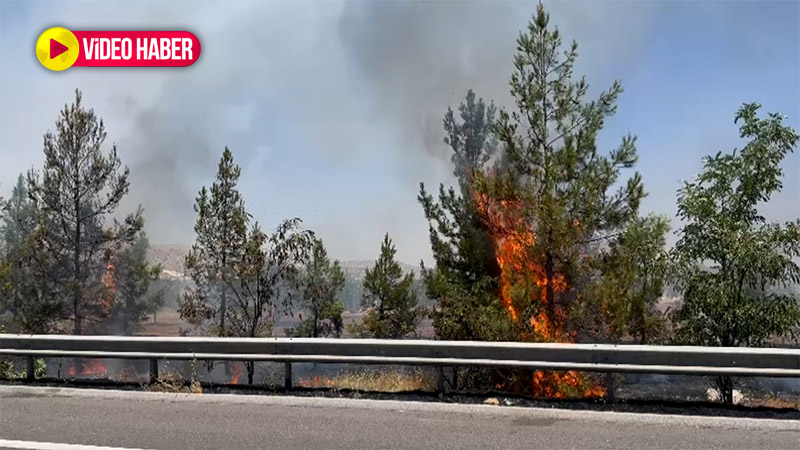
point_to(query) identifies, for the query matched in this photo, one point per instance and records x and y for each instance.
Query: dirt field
(168, 323)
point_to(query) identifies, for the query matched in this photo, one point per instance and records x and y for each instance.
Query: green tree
(463, 282)
(134, 295)
(390, 302)
(244, 276)
(728, 256)
(633, 271)
(321, 285)
(78, 188)
(554, 204)
(29, 295)
(220, 243)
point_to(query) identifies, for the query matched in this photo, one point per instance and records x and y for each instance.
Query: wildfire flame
(515, 249)
(95, 368)
(237, 374)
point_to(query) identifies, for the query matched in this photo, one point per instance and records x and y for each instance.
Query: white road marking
(32, 445)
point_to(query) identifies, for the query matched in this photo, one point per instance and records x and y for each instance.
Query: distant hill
(171, 259)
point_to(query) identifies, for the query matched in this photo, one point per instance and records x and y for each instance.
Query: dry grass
(772, 401)
(391, 381)
(169, 324)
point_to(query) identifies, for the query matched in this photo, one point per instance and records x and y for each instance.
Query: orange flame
(95, 368)
(516, 256)
(237, 374)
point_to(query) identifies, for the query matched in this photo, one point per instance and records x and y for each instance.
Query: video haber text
(146, 48)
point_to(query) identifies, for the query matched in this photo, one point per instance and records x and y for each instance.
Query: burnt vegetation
(541, 240)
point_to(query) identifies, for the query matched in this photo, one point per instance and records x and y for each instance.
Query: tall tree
(241, 278)
(389, 298)
(29, 295)
(728, 256)
(320, 285)
(78, 188)
(463, 281)
(221, 237)
(555, 202)
(131, 279)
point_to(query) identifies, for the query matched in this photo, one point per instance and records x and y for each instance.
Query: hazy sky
(334, 109)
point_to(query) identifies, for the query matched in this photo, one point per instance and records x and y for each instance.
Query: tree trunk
(724, 385)
(251, 368)
(316, 322)
(76, 294)
(222, 314)
(549, 295)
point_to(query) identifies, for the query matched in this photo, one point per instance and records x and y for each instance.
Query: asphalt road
(51, 418)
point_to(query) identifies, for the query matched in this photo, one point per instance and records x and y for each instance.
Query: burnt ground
(627, 400)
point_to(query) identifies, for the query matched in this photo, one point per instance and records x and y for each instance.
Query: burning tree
(729, 258)
(78, 188)
(464, 280)
(552, 206)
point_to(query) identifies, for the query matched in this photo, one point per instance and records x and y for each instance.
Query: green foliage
(463, 282)
(241, 277)
(728, 256)
(557, 184)
(29, 291)
(320, 285)
(622, 301)
(220, 244)
(78, 188)
(390, 303)
(134, 296)
(6, 365)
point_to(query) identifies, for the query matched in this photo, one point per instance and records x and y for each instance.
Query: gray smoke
(331, 83)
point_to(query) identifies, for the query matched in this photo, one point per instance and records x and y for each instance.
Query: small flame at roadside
(236, 375)
(95, 368)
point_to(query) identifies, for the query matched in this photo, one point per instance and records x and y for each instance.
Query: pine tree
(28, 293)
(389, 299)
(241, 278)
(464, 280)
(221, 235)
(728, 257)
(554, 200)
(78, 188)
(321, 286)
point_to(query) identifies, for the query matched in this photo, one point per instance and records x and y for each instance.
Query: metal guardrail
(734, 361)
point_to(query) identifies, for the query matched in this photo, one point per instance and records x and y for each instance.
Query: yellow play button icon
(57, 49)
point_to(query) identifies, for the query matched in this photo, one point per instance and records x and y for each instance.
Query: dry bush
(377, 381)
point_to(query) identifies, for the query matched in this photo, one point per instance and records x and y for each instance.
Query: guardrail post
(287, 376)
(440, 380)
(611, 387)
(31, 373)
(153, 370)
